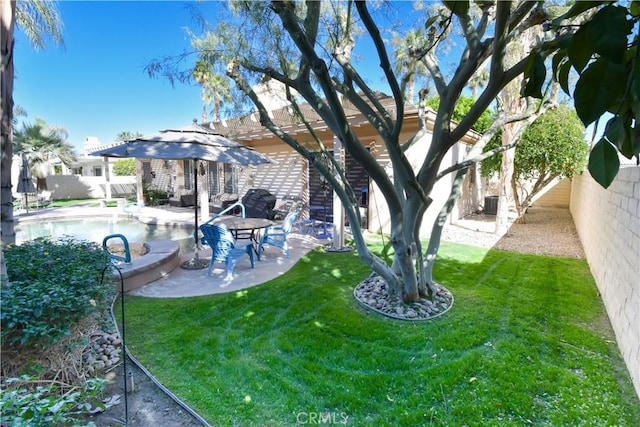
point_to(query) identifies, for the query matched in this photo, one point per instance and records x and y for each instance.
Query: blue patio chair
(276, 235)
(223, 247)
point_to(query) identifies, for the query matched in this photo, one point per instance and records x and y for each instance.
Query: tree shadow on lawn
(523, 342)
(545, 316)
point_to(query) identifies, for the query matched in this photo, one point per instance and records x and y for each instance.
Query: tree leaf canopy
(599, 89)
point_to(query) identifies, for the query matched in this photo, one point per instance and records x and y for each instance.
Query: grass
(94, 203)
(526, 343)
(64, 203)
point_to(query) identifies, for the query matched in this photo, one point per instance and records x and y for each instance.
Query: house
(87, 177)
(292, 176)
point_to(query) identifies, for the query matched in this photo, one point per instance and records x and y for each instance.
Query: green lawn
(526, 343)
(94, 203)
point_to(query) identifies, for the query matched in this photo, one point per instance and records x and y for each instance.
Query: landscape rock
(372, 294)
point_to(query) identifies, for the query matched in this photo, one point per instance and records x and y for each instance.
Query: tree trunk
(436, 231)
(512, 103)
(506, 172)
(7, 17)
(516, 197)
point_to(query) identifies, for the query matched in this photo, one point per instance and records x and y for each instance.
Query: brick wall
(608, 223)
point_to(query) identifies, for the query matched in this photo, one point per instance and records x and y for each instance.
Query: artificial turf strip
(526, 343)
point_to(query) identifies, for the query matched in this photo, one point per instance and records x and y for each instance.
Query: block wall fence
(608, 223)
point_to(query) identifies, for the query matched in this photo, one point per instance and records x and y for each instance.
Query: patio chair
(276, 235)
(45, 199)
(223, 247)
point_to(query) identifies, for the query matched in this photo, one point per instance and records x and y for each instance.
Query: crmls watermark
(321, 418)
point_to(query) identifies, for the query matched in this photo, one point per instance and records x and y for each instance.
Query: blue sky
(96, 84)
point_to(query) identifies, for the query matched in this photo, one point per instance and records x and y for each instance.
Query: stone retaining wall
(608, 223)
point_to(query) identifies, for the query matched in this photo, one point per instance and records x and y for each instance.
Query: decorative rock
(102, 352)
(373, 294)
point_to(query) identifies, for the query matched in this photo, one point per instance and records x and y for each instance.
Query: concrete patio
(188, 283)
(177, 282)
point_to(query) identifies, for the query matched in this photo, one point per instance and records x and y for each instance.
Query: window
(230, 178)
(213, 178)
(188, 172)
(223, 178)
(146, 172)
(97, 171)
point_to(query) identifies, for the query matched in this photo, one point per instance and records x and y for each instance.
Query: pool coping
(163, 257)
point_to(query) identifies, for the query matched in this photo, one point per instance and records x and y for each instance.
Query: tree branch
(385, 64)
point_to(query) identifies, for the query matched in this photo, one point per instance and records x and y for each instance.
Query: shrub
(53, 285)
(124, 167)
(23, 404)
(155, 195)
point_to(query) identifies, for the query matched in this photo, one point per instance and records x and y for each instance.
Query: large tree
(37, 19)
(215, 88)
(309, 48)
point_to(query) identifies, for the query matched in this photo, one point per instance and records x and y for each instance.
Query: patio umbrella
(191, 142)
(25, 181)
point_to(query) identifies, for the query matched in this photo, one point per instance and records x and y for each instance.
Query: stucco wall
(81, 187)
(284, 177)
(380, 218)
(608, 223)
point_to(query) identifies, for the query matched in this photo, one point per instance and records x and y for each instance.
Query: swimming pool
(95, 229)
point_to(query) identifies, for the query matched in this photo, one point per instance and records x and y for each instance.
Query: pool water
(96, 229)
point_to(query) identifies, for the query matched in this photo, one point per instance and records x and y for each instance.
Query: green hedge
(53, 284)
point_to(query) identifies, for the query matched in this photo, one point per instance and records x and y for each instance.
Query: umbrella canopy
(190, 142)
(25, 181)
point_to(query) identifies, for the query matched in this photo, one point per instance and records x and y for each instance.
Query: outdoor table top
(250, 226)
(243, 224)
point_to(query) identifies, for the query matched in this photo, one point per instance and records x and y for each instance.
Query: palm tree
(40, 144)
(215, 88)
(37, 18)
(405, 61)
(127, 136)
(479, 80)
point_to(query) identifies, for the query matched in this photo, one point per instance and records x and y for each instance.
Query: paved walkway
(187, 283)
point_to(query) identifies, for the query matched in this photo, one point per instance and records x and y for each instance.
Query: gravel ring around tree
(373, 295)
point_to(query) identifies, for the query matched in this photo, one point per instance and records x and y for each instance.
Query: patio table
(245, 228)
